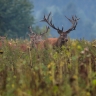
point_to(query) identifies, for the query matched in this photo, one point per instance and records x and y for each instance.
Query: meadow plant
(66, 71)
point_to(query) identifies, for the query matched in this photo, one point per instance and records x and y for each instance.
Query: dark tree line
(15, 17)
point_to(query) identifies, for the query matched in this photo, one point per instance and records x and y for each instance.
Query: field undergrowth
(66, 71)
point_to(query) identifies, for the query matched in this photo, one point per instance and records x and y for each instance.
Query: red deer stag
(37, 39)
(58, 42)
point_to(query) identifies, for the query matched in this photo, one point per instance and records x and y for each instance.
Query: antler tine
(44, 18)
(48, 16)
(74, 23)
(49, 22)
(30, 29)
(52, 25)
(32, 33)
(47, 27)
(73, 18)
(68, 19)
(77, 18)
(62, 28)
(45, 31)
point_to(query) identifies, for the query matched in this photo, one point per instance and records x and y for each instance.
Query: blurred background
(17, 15)
(83, 9)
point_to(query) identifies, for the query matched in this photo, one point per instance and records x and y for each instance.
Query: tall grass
(66, 71)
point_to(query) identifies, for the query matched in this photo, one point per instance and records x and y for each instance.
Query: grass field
(69, 71)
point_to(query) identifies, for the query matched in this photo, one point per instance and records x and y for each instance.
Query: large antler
(30, 29)
(49, 22)
(47, 28)
(74, 23)
(32, 33)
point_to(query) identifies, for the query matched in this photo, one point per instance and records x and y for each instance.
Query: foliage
(68, 71)
(15, 17)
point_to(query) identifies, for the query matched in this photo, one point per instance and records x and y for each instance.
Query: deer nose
(66, 39)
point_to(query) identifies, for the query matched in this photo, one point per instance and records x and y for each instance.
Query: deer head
(63, 34)
(36, 38)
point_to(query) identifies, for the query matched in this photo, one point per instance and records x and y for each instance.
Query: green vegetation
(70, 71)
(15, 17)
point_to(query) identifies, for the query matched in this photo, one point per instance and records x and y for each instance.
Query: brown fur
(48, 43)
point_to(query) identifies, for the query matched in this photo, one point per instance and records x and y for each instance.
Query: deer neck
(60, 42)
